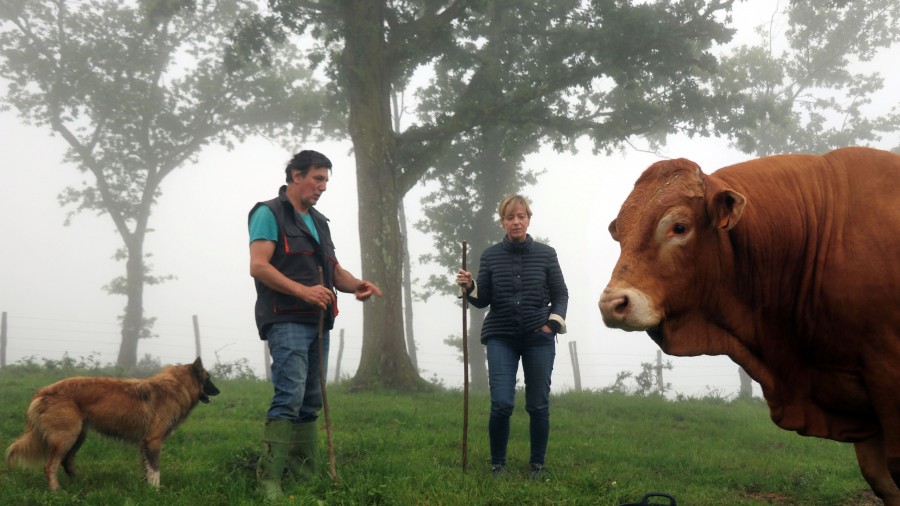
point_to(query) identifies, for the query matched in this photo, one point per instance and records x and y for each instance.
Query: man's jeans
(295, 371)
(537, 351)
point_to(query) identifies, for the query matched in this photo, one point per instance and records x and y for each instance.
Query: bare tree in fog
(137, 89)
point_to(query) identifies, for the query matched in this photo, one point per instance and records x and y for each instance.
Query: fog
(51, 276)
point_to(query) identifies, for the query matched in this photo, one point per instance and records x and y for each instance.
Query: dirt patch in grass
(863, 498)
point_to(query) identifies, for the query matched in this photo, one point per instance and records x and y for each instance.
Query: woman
(521, 281)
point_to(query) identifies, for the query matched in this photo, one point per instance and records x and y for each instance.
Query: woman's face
(515, 222)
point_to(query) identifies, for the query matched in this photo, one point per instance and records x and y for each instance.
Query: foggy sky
(51, 276)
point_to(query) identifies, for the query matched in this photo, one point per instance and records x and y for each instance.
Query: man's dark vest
(298, 256)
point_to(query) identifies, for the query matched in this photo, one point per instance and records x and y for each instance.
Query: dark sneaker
(538, 472)
(498, 471)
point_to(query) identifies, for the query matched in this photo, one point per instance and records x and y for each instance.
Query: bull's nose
(628, 309)
(613, 306)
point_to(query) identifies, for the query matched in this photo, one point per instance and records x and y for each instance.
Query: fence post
(3, 341)
(197, 335)
(659, 369)
(746, 384)
(337, 368)
(576, 369)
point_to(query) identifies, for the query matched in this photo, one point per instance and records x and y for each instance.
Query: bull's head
(664, 229)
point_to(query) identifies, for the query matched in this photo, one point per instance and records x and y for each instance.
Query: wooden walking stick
(324, 394)
(465, 345)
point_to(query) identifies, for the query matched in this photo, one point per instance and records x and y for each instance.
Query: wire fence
(37, 338)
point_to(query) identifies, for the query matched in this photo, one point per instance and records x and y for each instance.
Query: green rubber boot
(272, 462)
(303, 462)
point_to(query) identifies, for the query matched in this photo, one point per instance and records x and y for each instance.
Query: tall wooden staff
(465, 345)
(324, 394)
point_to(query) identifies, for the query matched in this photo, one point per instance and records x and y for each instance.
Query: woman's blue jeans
(295, 371)
(537, 352)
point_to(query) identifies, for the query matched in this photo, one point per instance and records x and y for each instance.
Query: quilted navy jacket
(523, 285)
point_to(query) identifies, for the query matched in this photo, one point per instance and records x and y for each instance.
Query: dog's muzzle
(207, 390)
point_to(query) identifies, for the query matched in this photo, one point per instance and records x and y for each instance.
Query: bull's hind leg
(68, 462)
(150, 450)
(872, 462)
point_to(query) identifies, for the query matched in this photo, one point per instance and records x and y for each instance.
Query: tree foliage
(513, 72)
(808, 88)
(137, 89)
(610, 86)
(809, 96)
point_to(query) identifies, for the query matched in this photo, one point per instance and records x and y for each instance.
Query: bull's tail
(31, 447)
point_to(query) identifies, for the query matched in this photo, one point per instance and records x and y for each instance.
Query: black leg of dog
(68, 462)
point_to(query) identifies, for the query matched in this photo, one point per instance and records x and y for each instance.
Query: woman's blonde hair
(510, 202)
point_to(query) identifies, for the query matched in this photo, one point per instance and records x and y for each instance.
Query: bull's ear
(727, 207)
(612, 230)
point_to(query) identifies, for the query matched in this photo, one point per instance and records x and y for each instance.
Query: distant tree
(541, 43)
(806, 89)
(137, 89)
(473, 174)
(457, 210)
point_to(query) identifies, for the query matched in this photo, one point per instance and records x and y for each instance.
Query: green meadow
(406, 449)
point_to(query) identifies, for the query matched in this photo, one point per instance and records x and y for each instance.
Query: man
(289, 242)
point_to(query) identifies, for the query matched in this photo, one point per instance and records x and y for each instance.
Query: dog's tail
(31, 447)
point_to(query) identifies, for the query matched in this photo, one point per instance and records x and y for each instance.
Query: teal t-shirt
(264, 226)
(309, 224)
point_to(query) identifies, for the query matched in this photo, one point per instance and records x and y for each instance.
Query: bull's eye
(674, 226)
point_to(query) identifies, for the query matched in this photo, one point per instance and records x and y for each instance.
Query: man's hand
(317, 295)
(365, 289)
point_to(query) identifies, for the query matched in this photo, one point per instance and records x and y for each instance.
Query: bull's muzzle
(627, 309)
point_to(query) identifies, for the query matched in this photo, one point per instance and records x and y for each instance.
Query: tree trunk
(132, 322)
(483, 235)
(478, 373)
(384, 360)
(407, 292)
(494, 183)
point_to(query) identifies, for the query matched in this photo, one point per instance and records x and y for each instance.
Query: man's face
(310, 186)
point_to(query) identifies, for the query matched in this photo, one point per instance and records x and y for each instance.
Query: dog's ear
(198, 371)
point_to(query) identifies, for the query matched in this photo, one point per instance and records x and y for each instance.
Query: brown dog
(142, 411)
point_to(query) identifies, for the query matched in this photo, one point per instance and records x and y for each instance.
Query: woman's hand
(464, 279)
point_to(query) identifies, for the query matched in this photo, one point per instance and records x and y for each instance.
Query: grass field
(399, 449)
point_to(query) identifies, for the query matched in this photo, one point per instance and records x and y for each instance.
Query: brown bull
(790, 265)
